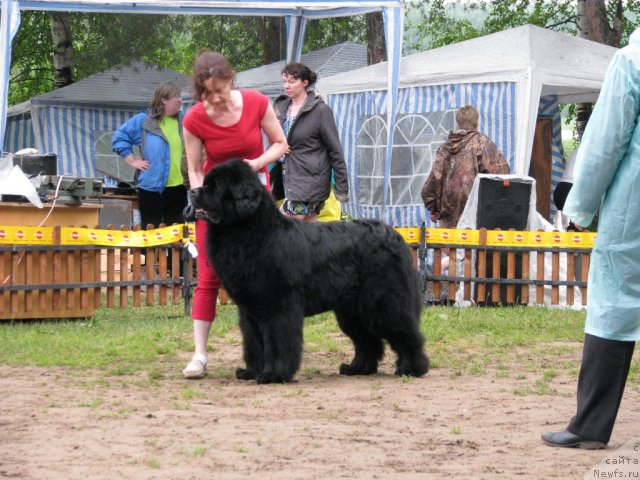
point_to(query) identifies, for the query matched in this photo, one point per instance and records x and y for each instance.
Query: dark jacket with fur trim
(457, 163)
(315, 152)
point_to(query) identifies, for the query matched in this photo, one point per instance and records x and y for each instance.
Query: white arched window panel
(417, 138)
(372, 146)
(109, 163)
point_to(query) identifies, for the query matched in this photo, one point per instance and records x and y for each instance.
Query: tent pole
(393, 30)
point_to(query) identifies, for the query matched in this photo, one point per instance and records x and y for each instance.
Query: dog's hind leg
(369, 349)
(252, 347)
(409, 346)
(405, 339)
(282, 336)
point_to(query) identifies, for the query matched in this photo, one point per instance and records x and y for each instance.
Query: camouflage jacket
(458, 161)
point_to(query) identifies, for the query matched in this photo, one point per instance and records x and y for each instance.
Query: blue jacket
(607, 175)
(144, 131)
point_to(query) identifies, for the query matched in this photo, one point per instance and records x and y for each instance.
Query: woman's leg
(150, 207)
(174, 199)
(204, 305)
(603, 376)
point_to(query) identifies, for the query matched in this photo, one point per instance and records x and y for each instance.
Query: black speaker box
(46, 164)
(503, 204)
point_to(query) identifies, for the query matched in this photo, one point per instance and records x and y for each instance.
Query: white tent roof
(325, 62)
(20, 109)
(539, 61)
(570, 67)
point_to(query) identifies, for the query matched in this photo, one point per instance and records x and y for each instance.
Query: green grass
(148, 342)
(474, 339)
(117, 341)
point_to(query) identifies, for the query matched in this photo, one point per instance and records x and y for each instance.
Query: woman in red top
(229, 124)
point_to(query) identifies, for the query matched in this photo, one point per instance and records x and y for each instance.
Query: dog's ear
(247, 199)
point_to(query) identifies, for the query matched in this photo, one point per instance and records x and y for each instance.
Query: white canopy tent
(512, 77)
(296, 13)
(540, 62)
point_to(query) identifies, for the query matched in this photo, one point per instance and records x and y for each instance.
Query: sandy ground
(64, 424)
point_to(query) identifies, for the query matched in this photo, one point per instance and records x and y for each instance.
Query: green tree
(329, 31)
(31, 67)
(443, 22)
(62, 48)
(103, 40)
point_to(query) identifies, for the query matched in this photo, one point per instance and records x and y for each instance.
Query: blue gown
(607, 174)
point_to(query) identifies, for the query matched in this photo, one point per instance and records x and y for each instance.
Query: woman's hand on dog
(255, 164)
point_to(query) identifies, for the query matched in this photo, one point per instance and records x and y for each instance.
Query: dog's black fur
(279, 270)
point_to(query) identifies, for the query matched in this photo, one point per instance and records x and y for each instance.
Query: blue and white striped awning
(295, 11)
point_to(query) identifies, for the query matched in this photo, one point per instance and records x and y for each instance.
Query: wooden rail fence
(70, 281)
(503, 275)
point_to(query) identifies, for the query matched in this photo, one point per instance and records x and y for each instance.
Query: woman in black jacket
(314, 151)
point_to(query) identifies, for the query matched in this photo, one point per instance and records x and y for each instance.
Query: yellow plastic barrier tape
(140, 238)
(409, 234)
(11, 235)
(26, 235)
(504, 238)
(453, 236)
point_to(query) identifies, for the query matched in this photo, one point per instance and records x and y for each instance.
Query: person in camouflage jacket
(466, 153)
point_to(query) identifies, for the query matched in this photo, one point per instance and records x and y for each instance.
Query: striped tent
(97, 105)
(295, 12)
(19, 132)
(511, 77)
(76, 122)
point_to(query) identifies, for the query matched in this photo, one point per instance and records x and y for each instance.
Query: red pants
(206, 292)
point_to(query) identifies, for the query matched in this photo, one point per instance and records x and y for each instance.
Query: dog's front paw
(244, 374)
(351, 369)
(271, 377)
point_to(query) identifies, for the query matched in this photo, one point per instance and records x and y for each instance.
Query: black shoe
(570, 440)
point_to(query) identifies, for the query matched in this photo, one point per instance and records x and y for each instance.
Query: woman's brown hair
(165, 90)
(210, 64)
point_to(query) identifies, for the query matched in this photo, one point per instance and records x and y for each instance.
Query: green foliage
(557, 15)
(32, 61)
(329, 31)
(442, 22)
(101, 41)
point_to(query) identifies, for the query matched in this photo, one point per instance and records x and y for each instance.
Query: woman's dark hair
(210, 64)
(300, 71)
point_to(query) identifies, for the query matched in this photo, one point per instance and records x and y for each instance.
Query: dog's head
(230, 193)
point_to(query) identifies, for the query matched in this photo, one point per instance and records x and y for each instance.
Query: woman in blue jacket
(162, 195)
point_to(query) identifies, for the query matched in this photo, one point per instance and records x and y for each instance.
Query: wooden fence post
(124, 271)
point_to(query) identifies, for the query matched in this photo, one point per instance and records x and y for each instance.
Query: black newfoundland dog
(278, 270)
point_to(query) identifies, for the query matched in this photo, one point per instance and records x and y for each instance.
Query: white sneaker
(197, 367)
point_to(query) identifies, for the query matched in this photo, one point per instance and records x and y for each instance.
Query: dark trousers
(166, 207)
(603, 376)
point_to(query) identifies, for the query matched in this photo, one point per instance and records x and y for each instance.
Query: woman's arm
(331, 140)
(125, 137)
(195, 162)
(278, 143)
